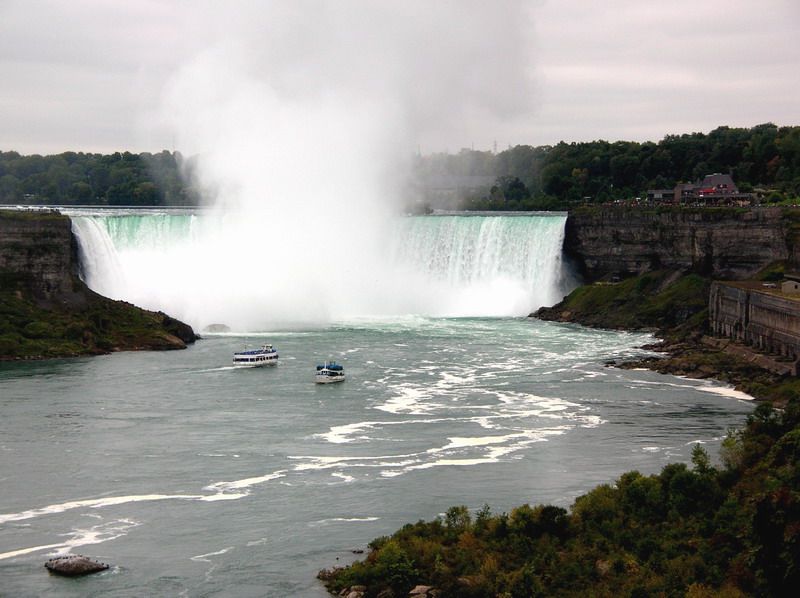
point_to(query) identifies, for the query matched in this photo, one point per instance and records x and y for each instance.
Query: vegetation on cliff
(696, 532)
(94, 326)
(656, 301)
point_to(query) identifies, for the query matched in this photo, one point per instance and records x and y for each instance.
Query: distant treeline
(95, 179)
(764, 158)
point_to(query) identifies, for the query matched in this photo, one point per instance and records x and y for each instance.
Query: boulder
(217, 328)
(74, 566)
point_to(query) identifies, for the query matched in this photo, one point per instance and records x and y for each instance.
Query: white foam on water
(224, 487)
(94, 503)
(706, 441)
(344, 434)
(344, 477)
(319, 463)
(410, 400)
(457, 443)
(333, 520)
(21, 551)
(97, 534)
(205, 557)
(727, 392)
(102, 532)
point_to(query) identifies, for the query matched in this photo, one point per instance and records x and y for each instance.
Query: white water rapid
(213, 268)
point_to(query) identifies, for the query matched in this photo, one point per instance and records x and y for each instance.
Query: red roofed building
(714, 189)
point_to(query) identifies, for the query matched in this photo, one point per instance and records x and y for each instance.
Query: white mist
(302, 116)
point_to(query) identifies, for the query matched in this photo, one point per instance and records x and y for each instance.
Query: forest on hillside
(76, 178)
(763, 159)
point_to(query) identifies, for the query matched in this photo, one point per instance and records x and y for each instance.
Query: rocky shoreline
(685, 343)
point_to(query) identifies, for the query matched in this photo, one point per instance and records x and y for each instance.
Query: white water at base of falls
(213, 268)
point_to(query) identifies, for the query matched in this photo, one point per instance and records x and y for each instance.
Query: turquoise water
(192, 478)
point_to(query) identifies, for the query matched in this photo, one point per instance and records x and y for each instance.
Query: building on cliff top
(714, 189)
(791, 284)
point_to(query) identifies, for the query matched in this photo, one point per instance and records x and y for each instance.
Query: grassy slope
(100, 326)
(652, 301)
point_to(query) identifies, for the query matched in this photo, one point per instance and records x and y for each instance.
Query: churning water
(195, 479)
(192, 478)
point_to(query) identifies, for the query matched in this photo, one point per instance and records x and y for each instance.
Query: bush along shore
(693, 530)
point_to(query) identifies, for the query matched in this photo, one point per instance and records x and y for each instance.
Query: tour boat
(257, 358)
(329, 372)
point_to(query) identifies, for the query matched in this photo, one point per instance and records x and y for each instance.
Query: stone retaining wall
(770, 322)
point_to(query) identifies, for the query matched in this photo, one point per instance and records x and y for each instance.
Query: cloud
(638, 71)
(88, 75)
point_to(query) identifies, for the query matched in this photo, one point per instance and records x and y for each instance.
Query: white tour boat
(329, 372)
(257, 358)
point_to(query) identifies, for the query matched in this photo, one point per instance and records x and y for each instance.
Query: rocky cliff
(47, 311)
(38, 256)
(722, 243)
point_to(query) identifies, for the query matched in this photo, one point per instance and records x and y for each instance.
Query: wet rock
(217, 328)
(73, 566)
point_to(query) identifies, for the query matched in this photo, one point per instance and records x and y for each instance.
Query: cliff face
(722, 244)
(38, 255)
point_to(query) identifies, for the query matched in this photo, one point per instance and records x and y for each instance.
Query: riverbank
(699, 530)
(675, 309)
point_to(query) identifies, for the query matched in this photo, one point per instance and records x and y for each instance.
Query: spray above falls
(302, 119)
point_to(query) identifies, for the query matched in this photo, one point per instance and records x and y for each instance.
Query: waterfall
(208, 268)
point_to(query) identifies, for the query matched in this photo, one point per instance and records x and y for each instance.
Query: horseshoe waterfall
(206, 268)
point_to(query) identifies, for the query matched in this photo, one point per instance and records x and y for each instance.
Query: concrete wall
(769, 322)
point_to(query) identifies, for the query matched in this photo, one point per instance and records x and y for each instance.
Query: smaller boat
(329, 372)
(257, 358)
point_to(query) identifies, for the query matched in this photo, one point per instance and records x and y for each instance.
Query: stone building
(791, 285)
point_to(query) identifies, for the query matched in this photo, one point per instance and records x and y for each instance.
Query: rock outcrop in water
(74, 566)
(47, 311)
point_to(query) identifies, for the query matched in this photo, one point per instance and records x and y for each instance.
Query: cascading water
(189, 265)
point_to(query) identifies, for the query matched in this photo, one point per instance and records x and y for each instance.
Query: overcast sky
(109, 75)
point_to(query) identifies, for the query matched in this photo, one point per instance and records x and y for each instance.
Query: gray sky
(140, 75)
